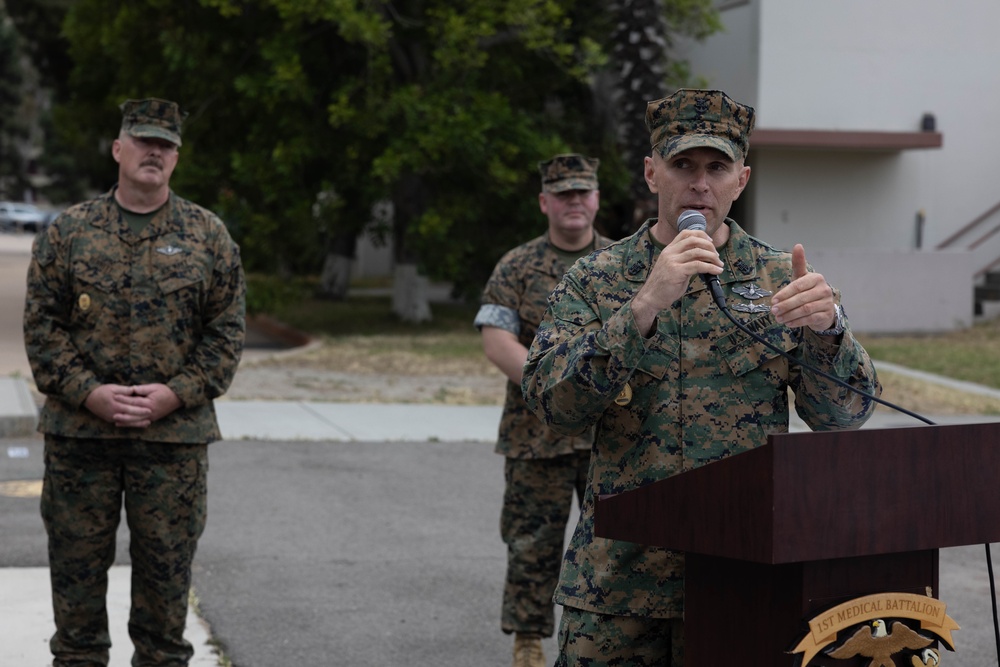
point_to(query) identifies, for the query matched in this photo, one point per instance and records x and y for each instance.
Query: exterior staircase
(982, 237)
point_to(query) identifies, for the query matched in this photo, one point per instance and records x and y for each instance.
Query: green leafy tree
(308, 115)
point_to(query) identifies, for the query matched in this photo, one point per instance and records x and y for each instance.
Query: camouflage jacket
(107, 306)
(696, 391)
(514, 299)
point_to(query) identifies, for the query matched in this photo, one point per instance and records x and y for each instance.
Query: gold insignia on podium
(865, 627)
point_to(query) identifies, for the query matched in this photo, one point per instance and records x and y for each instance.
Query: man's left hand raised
(807, 301)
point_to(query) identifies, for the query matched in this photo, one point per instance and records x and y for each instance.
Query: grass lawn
(972, 354)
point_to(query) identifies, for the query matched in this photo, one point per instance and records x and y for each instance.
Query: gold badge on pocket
(84, 302)
(625, 396)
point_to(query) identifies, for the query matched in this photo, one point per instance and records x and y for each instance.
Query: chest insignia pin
(751, 307)
(751, 291)
(624, 397)
(84, 301)
(169, 250)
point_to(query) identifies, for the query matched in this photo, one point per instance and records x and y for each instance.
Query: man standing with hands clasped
(542, 468)
(633, 343)
(134, 322)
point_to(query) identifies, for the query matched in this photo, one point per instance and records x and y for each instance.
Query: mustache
(152, 162)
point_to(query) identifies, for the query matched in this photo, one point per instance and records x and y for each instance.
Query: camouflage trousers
(536, 506)
(164, 489)
(600, 640)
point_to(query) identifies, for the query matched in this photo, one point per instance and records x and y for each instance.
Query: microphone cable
(720, 301)
(993, 599)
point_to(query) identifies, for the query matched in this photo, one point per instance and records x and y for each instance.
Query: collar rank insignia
(751, 307)
(751, 291)
(169, 250)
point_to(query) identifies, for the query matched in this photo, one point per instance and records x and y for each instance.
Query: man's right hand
(120, 405)
(690, 253)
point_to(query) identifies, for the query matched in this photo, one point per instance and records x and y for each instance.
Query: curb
(18, 411)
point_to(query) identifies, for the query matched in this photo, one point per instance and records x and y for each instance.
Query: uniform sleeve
(212, 365)
(821, 403)
(501, 298)
(501, 317)
(825, 405)
(578, 364)
(56, 363)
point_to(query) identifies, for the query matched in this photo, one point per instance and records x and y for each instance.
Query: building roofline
(845, 140)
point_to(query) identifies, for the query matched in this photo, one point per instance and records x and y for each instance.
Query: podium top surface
(816, 496)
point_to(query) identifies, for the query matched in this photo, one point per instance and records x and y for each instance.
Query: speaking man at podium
(634, 344)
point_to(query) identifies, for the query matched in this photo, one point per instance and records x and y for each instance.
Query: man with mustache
(134, 322)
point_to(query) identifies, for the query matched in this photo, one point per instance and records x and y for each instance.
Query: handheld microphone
(695, 220)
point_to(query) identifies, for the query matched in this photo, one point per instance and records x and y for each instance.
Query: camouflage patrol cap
(569, 171)
(153, 119)
(699, 118)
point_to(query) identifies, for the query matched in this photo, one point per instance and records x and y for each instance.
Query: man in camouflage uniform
(134, 322)
(633, 344)
(542, 468)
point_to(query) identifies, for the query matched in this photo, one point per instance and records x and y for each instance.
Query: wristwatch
(838, 326)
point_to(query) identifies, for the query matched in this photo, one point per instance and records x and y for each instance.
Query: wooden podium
(776, 535)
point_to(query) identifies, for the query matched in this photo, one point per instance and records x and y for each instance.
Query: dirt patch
(294, 383)
(374, 369)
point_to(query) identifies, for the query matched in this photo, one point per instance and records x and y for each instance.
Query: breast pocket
(181, 286)
(96, 287)
(652, 385)
(648, 395)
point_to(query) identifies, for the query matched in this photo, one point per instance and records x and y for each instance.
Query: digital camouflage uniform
(108, 306)
(542, 467)
(700, 390)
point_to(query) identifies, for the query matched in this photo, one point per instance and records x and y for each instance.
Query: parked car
(49, 216)
(21, 217)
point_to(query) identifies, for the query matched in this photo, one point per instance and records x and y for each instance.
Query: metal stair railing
(972, 237)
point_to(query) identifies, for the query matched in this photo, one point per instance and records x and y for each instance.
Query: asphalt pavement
(338, 534)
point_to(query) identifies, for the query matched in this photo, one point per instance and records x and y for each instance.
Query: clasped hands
(135, 406)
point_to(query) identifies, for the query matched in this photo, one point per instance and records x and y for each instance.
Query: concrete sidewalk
(26, 617)
(356, 422)
(18, 412)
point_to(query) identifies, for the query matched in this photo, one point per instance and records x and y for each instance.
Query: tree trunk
(640, 58)
(410, 295)
(335, 279)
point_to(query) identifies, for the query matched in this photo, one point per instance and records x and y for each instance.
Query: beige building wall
(857, 65)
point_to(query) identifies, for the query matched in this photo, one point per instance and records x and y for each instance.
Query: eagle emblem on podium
(872, 641)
